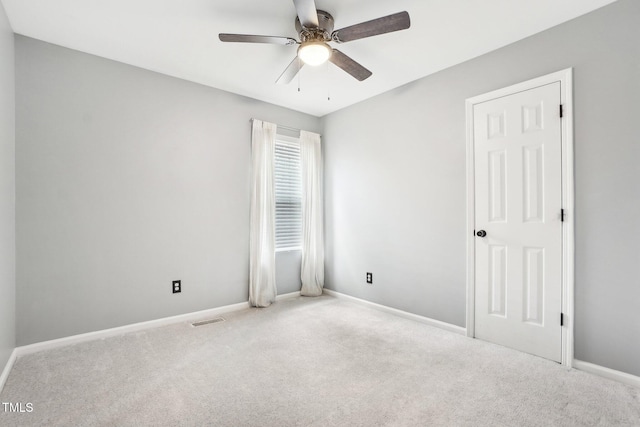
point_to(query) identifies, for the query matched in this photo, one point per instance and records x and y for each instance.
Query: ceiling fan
(315, 29)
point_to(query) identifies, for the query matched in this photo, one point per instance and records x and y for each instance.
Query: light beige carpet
(307, 362)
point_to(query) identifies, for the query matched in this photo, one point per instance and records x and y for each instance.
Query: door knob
(481, 233)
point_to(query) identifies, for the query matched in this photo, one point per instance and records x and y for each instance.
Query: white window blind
(288, 189)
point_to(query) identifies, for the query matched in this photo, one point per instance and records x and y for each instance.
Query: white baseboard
(7, 368)
(288, 296)
(135, 327)
(105, 333)
(426, 320)
(611, 374)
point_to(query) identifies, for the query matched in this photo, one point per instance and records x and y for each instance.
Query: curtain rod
(282, 127)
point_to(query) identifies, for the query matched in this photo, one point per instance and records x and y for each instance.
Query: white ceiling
(180, 38)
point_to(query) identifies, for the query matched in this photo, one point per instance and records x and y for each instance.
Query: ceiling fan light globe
(314, 53)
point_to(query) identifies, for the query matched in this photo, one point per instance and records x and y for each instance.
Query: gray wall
(288, 266)
(7, 192)
(127, 180)
(395, 182)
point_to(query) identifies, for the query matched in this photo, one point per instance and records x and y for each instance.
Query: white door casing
(519, 273)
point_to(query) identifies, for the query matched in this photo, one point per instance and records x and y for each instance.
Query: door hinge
(561, 319)
(561, 112)
(561, 215)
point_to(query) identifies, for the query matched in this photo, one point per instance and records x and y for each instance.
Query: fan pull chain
(299, 72)
(328, 83)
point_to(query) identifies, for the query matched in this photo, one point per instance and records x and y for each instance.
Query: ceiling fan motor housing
(320, 33)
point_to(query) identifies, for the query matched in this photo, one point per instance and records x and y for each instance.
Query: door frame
(565, 77)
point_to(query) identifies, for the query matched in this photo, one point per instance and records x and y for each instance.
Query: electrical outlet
(370, 278)
(177, 286)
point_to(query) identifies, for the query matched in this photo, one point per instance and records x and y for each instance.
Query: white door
(518, 196)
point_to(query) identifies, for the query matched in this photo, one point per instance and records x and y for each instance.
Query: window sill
(288, 250)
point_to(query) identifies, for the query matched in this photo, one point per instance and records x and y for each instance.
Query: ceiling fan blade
(386, 24)
(307, 13)
(290, 72)
(250, 38)
(349, 65)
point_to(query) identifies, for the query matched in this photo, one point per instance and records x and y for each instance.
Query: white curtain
(262, 264)
(312, 214)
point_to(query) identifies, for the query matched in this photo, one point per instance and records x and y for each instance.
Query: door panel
(518, 277)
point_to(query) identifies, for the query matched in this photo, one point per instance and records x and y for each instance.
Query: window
(288, 192)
